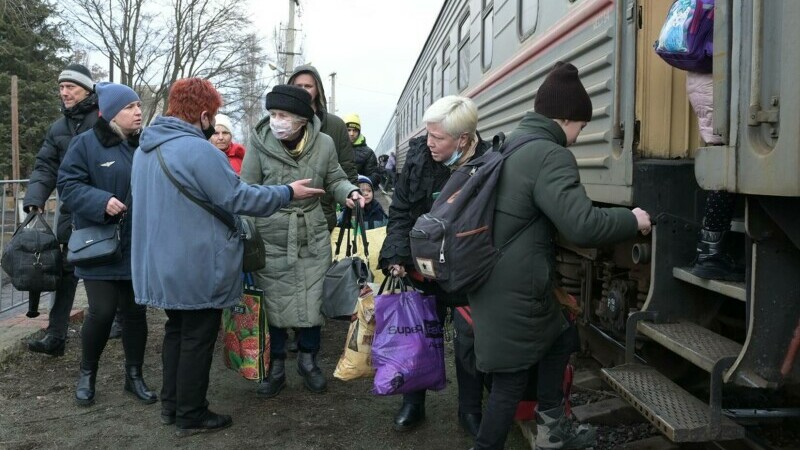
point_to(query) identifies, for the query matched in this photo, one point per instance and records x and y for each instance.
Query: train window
(487, 34)
(527, 17)
(417, 108)
(433, 74)
(424, 99)
(463, 52)
(445, 70)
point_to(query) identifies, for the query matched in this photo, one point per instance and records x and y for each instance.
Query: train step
(700, 346)
(727, 288)
(678, 414)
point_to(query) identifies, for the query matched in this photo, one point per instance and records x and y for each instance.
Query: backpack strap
(498, 140)
(466, 313)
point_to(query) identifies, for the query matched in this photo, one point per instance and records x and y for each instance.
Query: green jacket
(334, 127)
(515, 313)
(296, 238)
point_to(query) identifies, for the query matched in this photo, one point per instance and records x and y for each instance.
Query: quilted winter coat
(297, 241)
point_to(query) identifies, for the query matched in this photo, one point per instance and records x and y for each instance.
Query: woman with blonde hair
(451, 141)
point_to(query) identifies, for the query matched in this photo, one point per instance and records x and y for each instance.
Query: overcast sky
(372, 46)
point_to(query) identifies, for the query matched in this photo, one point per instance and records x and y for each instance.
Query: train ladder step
(729, 288)
(700, 346)
(680, 416)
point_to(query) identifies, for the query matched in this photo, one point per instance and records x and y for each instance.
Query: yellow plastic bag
(375, 239)
(356, 360)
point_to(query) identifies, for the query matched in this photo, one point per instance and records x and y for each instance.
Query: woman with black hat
(288, 145)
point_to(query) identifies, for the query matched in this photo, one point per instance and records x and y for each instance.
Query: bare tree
(190, 38)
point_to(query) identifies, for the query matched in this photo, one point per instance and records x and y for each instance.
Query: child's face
(366, 192)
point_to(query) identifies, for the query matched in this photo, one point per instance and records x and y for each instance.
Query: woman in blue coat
(94, 183)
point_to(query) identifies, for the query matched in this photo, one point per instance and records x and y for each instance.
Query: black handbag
(32, 258)
(97, 245)
(255, 254)
(347, 276)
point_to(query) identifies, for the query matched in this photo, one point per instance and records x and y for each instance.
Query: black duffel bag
(32, 257)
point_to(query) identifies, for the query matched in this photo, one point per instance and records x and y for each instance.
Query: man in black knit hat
(79, 106)
(519, 324)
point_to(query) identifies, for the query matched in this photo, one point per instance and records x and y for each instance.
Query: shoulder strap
(498, 140)
(227, 220)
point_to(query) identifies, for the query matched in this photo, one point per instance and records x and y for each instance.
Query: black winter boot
(275, 380)
(409, 416)
(49, 345)
(135, 385)
(312, 375)
(711, 262)
(84, 393)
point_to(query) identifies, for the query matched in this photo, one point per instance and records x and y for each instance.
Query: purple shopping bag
(408, 348)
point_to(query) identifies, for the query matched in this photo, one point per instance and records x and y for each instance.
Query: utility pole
(289, 67)
(333, 93)
(14, 132)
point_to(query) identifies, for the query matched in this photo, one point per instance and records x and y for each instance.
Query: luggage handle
(352, 245)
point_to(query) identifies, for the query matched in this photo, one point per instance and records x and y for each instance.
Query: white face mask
(284, 129)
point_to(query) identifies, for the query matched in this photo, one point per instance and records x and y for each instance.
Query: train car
(652, 323)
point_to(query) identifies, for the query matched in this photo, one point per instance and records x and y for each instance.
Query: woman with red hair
(192, 276)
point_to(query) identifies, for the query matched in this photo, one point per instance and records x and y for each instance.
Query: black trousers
(189, 338)
(508, 389)
(470, 380)
(104, 298)
(62, 299)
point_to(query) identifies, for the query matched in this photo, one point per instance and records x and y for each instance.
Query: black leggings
(104, 297)
(719, 211)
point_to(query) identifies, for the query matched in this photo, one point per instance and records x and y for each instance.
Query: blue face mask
(453, 158)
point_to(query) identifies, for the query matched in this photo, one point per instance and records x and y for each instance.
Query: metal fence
(11, 215)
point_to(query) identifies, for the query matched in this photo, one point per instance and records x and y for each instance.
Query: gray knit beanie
(78, 74)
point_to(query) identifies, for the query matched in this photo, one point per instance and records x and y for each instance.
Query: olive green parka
(515, 314)
(297, 241)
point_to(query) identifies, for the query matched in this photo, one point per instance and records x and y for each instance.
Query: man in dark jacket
(79, 106)
(452, 141)
(365, 159)
(518, 322)
(308, 78)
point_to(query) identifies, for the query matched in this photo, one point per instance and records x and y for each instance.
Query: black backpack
(32, 257)
(452, 244)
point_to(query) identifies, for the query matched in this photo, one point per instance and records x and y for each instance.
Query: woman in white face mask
(286, 146)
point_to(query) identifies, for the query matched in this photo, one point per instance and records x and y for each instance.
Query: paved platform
(16, 329)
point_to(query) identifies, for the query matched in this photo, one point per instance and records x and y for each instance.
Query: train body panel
(643, 148)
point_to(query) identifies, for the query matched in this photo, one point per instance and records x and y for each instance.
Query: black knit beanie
(562, 95)
(78, 74)
(291, 99)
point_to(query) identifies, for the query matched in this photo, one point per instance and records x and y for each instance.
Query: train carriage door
(605, 53)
